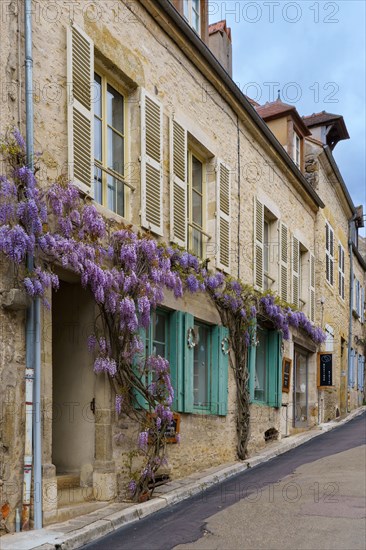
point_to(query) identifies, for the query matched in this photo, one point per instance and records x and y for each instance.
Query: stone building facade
(169, 129)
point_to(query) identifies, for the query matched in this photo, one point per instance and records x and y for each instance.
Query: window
(191, 11)
(197, 353)
(341, 271)
(266, 254)
(195, 204)
(157, 335)
(297, 156)
(260, 384)
(265, 367)
(202, 366)
(329, 254)
(265, 246)
(109, 146)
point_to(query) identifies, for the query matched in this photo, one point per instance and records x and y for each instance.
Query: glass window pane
(201, 367)
(261, 367)
(115, 195)
(196, 174)
(115, 147)
(159, 327)
(185, 9)
(196, 22)
(197, 243)
(197, 208)
(98, 186)
(266, 247)
(97, 139)
(159, 349)
(114, 109)
(97, 95)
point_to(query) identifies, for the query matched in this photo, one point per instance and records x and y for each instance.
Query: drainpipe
(350, 331)
(33, 341)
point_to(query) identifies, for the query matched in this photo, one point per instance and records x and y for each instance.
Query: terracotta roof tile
(319, 118)
(220, 26)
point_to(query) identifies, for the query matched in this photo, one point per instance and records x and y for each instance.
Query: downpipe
(33, 448)
(350, 330)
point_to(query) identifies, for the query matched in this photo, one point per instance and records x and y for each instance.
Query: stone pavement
(84, 529)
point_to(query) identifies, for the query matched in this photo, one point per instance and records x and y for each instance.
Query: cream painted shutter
(295, 271)
(80, 78)
(329, 254)
(312, 287)
(258, 243)
(223, 225)
(283, 278)
(151, 163)
(178, 184)
(341, 271)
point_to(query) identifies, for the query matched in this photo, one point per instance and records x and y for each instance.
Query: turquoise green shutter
(274, 369)
(223, 368)
(141, 401)
(252, 352)
(251, 368)
(176, 358)
(188, 354)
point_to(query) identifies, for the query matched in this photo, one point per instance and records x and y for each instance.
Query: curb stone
(54, 539)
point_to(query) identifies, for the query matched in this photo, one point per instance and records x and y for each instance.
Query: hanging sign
(325, 369)
(286, 374)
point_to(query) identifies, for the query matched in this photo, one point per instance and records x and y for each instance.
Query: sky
(314, 53)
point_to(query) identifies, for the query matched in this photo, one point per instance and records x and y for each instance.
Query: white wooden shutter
(80, 114)
(329, 254)
(362, 305)
(178, 183)
(258, 243)
(283, 274)
(223, 225)
(341, 271)
(312, 287)
(295, 271)
(151, 163)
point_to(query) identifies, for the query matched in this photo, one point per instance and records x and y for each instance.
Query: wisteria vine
(127, 274)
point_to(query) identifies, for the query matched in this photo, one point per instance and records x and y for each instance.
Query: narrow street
(312, 497)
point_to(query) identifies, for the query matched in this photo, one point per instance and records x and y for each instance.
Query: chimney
(219, 42)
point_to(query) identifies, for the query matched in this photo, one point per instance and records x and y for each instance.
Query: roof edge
(196, 41)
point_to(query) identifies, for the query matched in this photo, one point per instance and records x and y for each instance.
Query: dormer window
(297, 156)
(191, 11)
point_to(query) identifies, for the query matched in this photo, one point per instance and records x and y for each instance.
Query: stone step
(74, 495)
(64, 481)
(64, 513)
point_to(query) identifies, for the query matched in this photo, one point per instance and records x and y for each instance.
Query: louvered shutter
(223, 225)
(178, 184)
(258, 243)
(151, 163)
(80, 78)
(331, 254)
(341, 271)
(312, 287)
(283, 287)
(362, 305)
(295, 271)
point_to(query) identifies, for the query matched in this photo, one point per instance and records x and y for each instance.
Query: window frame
(297, 150)
(205, 408)
(189, 6)
(273, 368)
(191, 225)
(103, 164)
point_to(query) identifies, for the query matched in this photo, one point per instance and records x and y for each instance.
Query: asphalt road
(311, 498)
